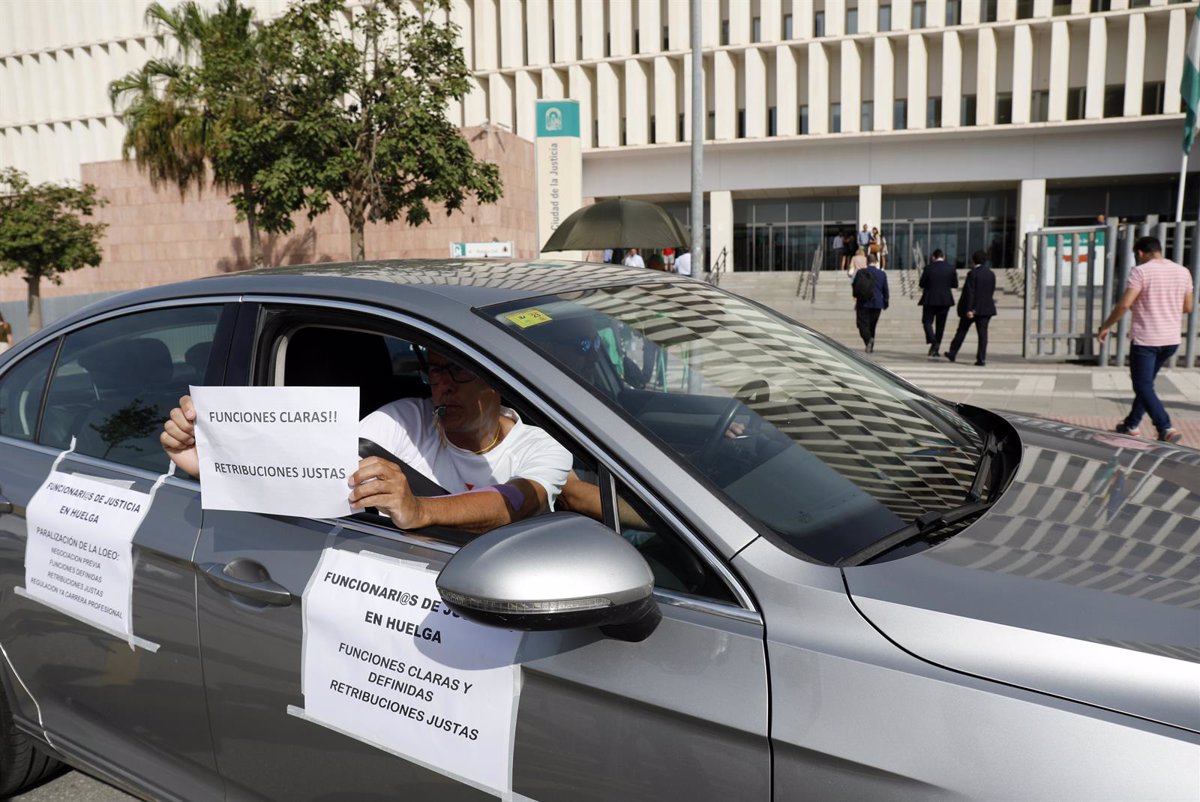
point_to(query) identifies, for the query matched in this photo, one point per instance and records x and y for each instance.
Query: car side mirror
(555, 571)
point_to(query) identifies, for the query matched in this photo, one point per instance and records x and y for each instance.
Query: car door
(679, 715)
(135, 712)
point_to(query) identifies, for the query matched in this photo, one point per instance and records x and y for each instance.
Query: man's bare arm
(1123, 306)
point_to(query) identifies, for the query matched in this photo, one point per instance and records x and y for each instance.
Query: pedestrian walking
(881, 244)
(1158, 292)
(683, 262)
(977, 307)
(864, 238)
(871, 297)
(937, 281)
(633, 258)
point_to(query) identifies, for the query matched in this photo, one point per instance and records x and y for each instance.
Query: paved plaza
(1082, 395)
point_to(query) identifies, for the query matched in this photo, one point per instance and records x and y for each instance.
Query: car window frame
(512, 385)
(223, 337)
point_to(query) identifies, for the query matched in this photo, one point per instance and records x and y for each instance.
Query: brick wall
(155, 237)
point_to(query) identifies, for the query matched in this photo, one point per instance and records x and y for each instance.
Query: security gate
(1075, 275)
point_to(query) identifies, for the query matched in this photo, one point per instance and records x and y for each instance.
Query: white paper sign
(277, 450)
(79, 555)
(386, 662)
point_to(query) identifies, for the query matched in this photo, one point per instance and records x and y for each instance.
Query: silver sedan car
(808, 579)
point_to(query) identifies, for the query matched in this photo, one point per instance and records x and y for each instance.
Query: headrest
(141, 363)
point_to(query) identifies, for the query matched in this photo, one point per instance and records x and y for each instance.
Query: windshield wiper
(929, 523)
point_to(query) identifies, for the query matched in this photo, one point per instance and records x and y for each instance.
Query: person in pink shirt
(1158, 293)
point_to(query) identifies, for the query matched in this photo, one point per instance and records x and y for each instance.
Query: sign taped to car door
(79, 551)
(386, 662)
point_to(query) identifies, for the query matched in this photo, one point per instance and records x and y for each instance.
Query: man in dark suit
(937, 280)
(976, 305)
(868, 309)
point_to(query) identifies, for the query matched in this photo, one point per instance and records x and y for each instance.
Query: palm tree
(180, 112)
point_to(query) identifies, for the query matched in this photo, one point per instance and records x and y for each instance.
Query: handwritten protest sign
(386, 662)
(277, 450)
(79, 554)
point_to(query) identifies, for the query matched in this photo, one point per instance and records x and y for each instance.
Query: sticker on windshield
(528, 317)
(384, 661)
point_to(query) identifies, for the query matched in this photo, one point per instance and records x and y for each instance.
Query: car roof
(464, 283)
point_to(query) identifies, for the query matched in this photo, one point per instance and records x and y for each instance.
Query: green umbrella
(618, 223)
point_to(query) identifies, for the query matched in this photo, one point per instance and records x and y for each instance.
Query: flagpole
(1182, 184)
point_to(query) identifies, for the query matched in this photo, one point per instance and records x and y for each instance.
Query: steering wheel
(419, 483)
(753, 390)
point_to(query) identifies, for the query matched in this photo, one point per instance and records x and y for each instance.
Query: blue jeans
(1144, 363)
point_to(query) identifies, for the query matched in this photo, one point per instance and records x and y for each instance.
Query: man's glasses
(457, 373)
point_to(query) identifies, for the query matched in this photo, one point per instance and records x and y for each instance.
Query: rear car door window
(116, 382)
(21, 394)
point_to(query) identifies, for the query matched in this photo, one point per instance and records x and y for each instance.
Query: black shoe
(871, 346)
(933, 350)
(949, 356)
(979, 364)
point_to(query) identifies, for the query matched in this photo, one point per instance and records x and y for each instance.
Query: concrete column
(802, 19)
(685, 65)
(918, 81)
(739, 23)
(1006, 10)
(527, 97)
(901, 15)
(786, 94)
(720, 231)
(553, 86)
(772, 20)
(951, 80)
(1176, 35)
(608, 101)
(851, 83)
(679, 24)
(512, 33)
(868, 16)
(538, 34)
(454, 113)
(637, 103)
(500, 99)
(1097, 60)
(1081, 6)
(1135, 65)
(1022, 84)
(649, 16)
(725, 95)
(711, 24)
(1031, 208)
(486, 25)
(475, 103)
(884, 84)
(935, 14)
(1060, 62)
(580, 83)
(566, 31)
(835, 17)
(1119, 5)
(461, 15)
(970, 11)
(985, 78)
(620, 27)
(756, 95)
(666, 100)
(818, 89)
(591, 26)
(870, 205)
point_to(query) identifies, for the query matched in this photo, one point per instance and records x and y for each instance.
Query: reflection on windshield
(827, 451)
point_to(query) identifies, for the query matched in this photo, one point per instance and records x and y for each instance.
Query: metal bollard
(1106, 293)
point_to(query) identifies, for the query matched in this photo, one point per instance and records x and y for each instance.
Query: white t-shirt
(407, 429)
(633, 260)
(683, 263)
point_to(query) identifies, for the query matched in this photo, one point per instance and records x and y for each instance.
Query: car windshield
(828, 451)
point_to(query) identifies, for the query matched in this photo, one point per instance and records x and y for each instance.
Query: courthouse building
(953, 124)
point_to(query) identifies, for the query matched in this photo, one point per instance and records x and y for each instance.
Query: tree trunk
(256, 257)
(358, 251)
(33, 306)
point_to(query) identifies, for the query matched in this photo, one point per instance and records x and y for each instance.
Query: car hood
(1082, 581)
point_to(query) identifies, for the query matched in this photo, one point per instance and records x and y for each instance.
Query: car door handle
(247, 578)
(6, 506)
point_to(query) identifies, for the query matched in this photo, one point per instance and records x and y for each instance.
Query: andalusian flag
(1190, 88)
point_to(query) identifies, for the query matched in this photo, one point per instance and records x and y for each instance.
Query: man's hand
(178, 437)
(970, 315)
(381, 484)
(1102, 335)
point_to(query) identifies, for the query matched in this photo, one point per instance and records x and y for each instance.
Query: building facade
(952, 124)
